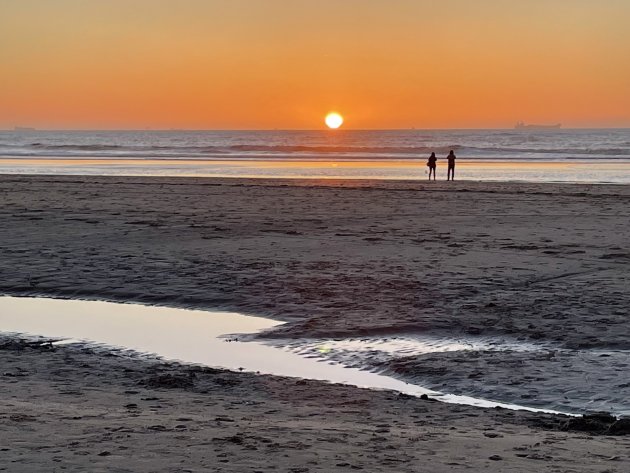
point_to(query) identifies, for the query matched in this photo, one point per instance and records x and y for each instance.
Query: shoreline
(509, 187)
(574, 171)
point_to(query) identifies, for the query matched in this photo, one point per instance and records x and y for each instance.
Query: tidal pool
(194, 336)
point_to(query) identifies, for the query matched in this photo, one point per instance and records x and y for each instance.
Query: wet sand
(536, 262)
(79, 409)
(615, 171)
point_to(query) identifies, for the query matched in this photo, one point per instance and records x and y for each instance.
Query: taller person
(450, 174)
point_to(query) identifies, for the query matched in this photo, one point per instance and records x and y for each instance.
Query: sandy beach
(535, 263)
(69, 409)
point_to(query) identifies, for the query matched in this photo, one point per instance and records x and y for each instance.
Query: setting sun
(334, 120)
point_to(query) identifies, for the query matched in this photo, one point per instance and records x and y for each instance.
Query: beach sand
(81, 409)
(541, 263)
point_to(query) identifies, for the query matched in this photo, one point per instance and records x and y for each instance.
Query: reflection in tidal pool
(192, 336)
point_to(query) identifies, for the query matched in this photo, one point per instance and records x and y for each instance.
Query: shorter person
(450, 173)
(432, 163)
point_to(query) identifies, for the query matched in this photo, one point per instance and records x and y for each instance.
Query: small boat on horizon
(23, 128)
(523, 126)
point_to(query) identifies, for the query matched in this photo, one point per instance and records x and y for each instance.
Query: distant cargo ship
(523, 126)
(23, 128)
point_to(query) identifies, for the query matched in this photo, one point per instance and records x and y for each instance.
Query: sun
(334, 120)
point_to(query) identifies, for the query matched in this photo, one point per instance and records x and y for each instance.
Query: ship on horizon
(523, 126)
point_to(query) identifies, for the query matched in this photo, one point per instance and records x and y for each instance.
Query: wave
(250, 148)
(564, 151)
(430, 149)
(300, 150)
(345, 149)
(77, 147)
(277, 145)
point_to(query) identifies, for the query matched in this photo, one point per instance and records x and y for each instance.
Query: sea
(526, 155)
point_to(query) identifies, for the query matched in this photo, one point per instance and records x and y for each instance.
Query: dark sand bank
(534, 262)
(546, 262)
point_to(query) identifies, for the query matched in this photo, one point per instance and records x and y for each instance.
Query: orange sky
(255, 64)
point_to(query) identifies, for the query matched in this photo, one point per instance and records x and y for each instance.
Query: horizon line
(26, 129)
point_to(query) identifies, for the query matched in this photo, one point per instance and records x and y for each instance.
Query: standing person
(450, 174)
(432, 163)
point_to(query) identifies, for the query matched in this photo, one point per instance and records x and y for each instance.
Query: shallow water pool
(193, 336)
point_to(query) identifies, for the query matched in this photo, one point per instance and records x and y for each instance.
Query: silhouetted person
(432, 163)
(450, 174)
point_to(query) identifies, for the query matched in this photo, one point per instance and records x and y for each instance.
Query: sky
(267, 64)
